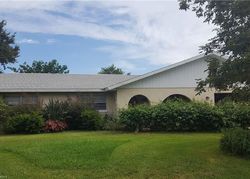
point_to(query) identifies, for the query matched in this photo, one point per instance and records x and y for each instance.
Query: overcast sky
(85, 35)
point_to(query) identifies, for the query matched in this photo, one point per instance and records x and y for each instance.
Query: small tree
(41, 67)
(112, 69)
(9, 51)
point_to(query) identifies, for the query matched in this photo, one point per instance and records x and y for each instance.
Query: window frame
(95, 99)
(8, 102)
(33, 98)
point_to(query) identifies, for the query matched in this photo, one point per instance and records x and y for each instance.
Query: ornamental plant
(54, 126)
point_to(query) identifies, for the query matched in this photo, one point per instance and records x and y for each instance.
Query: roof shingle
(38, 82)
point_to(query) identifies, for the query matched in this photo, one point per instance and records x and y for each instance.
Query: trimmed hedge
(24, 123)
(236, 141)
(91, 120)
(185, 116)
(23, 109)
(136, 118)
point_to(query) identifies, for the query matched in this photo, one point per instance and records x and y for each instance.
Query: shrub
(207, 117)
(73, 116)
(91, 120)
(55, 109)
(235, 114)
(112, 123)
(24, 123)
(23, 109)
(183, 116)
(236, 141)
(173, 116)
(136, 118)
(3, 114)
(54, 126)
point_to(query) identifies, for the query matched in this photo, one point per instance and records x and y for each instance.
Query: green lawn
(117, 155)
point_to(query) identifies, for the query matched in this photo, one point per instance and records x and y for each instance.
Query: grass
(118, 155)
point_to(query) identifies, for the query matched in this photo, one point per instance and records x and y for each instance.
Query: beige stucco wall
(157, 95)
(111, 103)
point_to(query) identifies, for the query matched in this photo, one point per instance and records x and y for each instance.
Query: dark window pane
(13, 100)
(30, 100)
(100, 106)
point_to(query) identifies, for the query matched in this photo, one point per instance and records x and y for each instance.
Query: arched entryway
(177, 97)
(138, 99)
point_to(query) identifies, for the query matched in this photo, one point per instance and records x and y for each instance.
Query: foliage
(241, 95)
(8, 49)
(24, 123)
(23, 109)
(236, 141)
(173, 116)
(183, 116)
(235, 114)
(54, 126)
(3, 114)
(112, 123)
(91, 120)
(56, 110)
(40, 66)
(7, 112)
(111, 70)
(136, 118)
(232, 21)
(73, 116)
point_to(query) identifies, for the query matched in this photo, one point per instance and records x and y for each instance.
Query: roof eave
(49, 90)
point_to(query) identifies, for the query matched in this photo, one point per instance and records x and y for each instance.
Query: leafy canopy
(112, 69)
(232, 21)
(41, 67)
(9, 51)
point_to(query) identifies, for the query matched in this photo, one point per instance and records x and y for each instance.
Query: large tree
(112, 69)
(41, 67)
(232, 22)
(9, 51)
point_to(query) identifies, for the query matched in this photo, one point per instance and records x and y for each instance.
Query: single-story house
(110, 92)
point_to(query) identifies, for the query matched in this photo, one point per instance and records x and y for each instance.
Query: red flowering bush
(54, 126)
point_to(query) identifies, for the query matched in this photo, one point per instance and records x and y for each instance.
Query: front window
(21, 100)
(100, 102)
(13, 100)
(96, 101)
(29, 100)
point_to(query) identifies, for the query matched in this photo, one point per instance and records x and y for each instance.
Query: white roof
(42, 82)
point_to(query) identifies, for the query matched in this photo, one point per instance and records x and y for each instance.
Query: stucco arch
(177, 97)
(138, 99)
